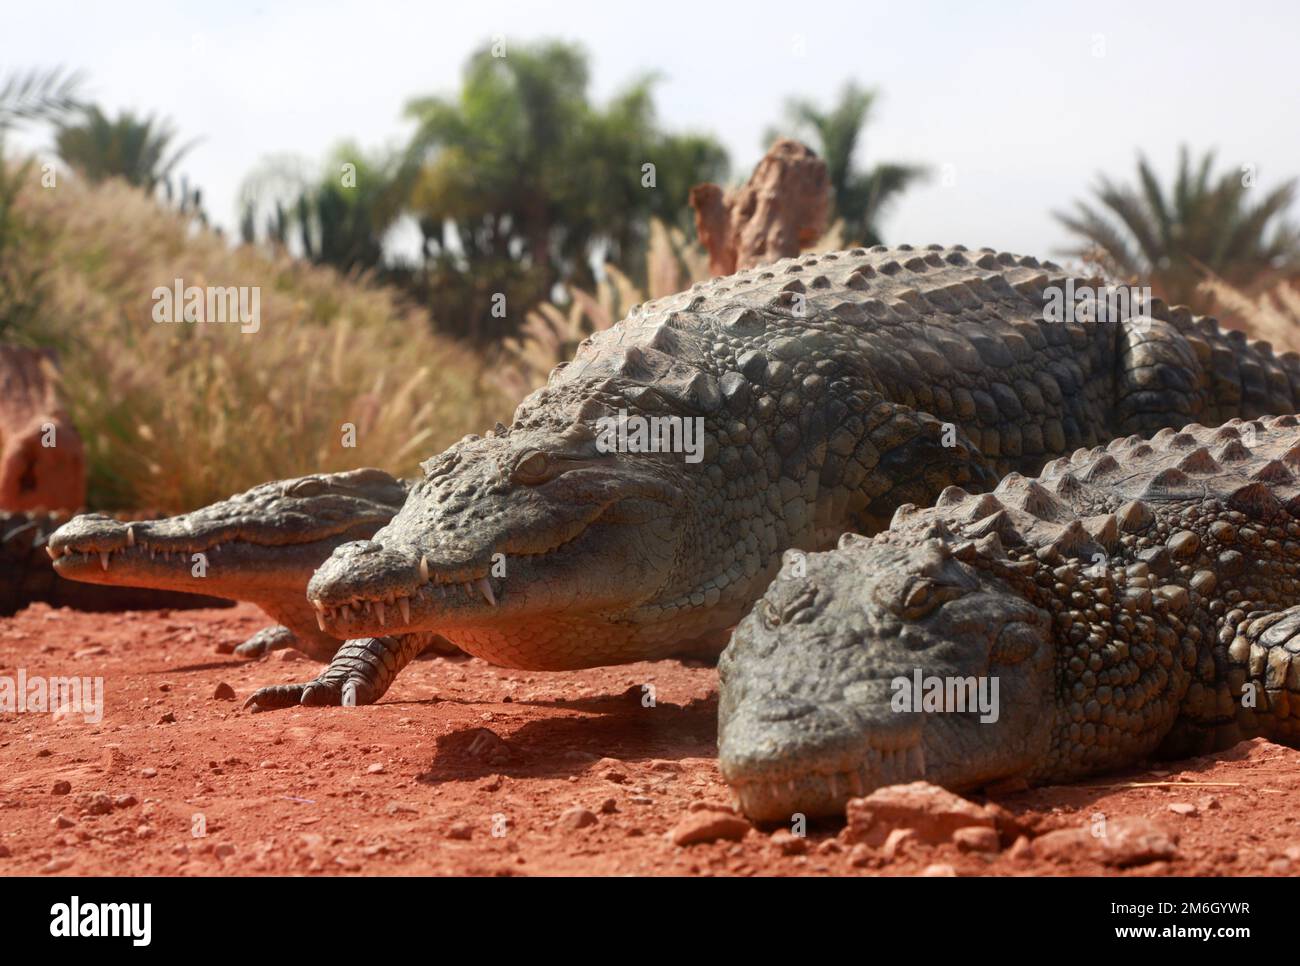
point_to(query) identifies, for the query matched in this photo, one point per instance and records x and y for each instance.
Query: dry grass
(178, 415)
(1272, 315)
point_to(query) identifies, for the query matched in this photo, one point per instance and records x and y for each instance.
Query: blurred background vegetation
(518, 183)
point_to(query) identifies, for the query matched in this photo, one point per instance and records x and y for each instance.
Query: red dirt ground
(415, 786)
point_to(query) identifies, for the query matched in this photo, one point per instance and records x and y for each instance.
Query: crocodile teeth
(404, 605)
(856, 781)
(424, 569)
(834, 785)
(130, 536)
(379, 612)
(320, 620)
(54, 554)
(468, 592)
(103, 558)
(486, 588)
(153, 551)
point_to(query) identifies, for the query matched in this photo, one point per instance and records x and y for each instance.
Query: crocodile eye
(532, 468)
(922, 596)
(918, 595)
(307, 486)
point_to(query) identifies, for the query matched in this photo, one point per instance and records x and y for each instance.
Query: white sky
(1009, 94)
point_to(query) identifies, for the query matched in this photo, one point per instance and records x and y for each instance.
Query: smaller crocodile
(27, 575)
(260, 546)
(1135, 599)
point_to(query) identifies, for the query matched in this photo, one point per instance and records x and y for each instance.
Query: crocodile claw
(328, 690)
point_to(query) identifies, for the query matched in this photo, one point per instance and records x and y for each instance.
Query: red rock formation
(42, 461)
(779, 212)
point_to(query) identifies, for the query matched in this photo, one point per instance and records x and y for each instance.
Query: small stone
(576, 818)
(124, 801)
(376, 768)
(4, 852)
(977, 838)
(98, 804)
(1137, 841)
(609, 806)
(461, 831)
(224, 692)
(933, 812)
(289, 654)
(788, 843)
(1022, 850)
(61, 788)
(703, 805)
(1063, 845)
(861, 856)
(896, 841)
(940, 870)
(1182, 808)
(709, 826)
(62, 821)
(57, 865)
(148, 772)
(168, 718)
(224, 851)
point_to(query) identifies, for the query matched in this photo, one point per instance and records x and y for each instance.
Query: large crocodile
(261, 546)
(28, 577)
(1138, 598)
(829, 390)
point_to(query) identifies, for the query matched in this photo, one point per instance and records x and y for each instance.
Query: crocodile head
(261, 545)
(536, 546)
(820, 681)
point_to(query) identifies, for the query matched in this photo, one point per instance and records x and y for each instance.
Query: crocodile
(825, 391)
(260, 546)
(1138, 599)
(27, 576)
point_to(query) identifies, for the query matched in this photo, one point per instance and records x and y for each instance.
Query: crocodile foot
(360, 673)
(268, 639)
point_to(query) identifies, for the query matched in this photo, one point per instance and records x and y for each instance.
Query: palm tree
(860, 197)
(136, 149)
(1205, 224)
(37, 96)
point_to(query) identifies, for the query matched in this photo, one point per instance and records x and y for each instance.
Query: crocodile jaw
(569, 571)
(569, 600)
(127, 554)
(820, 680)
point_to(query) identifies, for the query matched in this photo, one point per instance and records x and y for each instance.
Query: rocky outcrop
(42, 461)
(777, 214)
